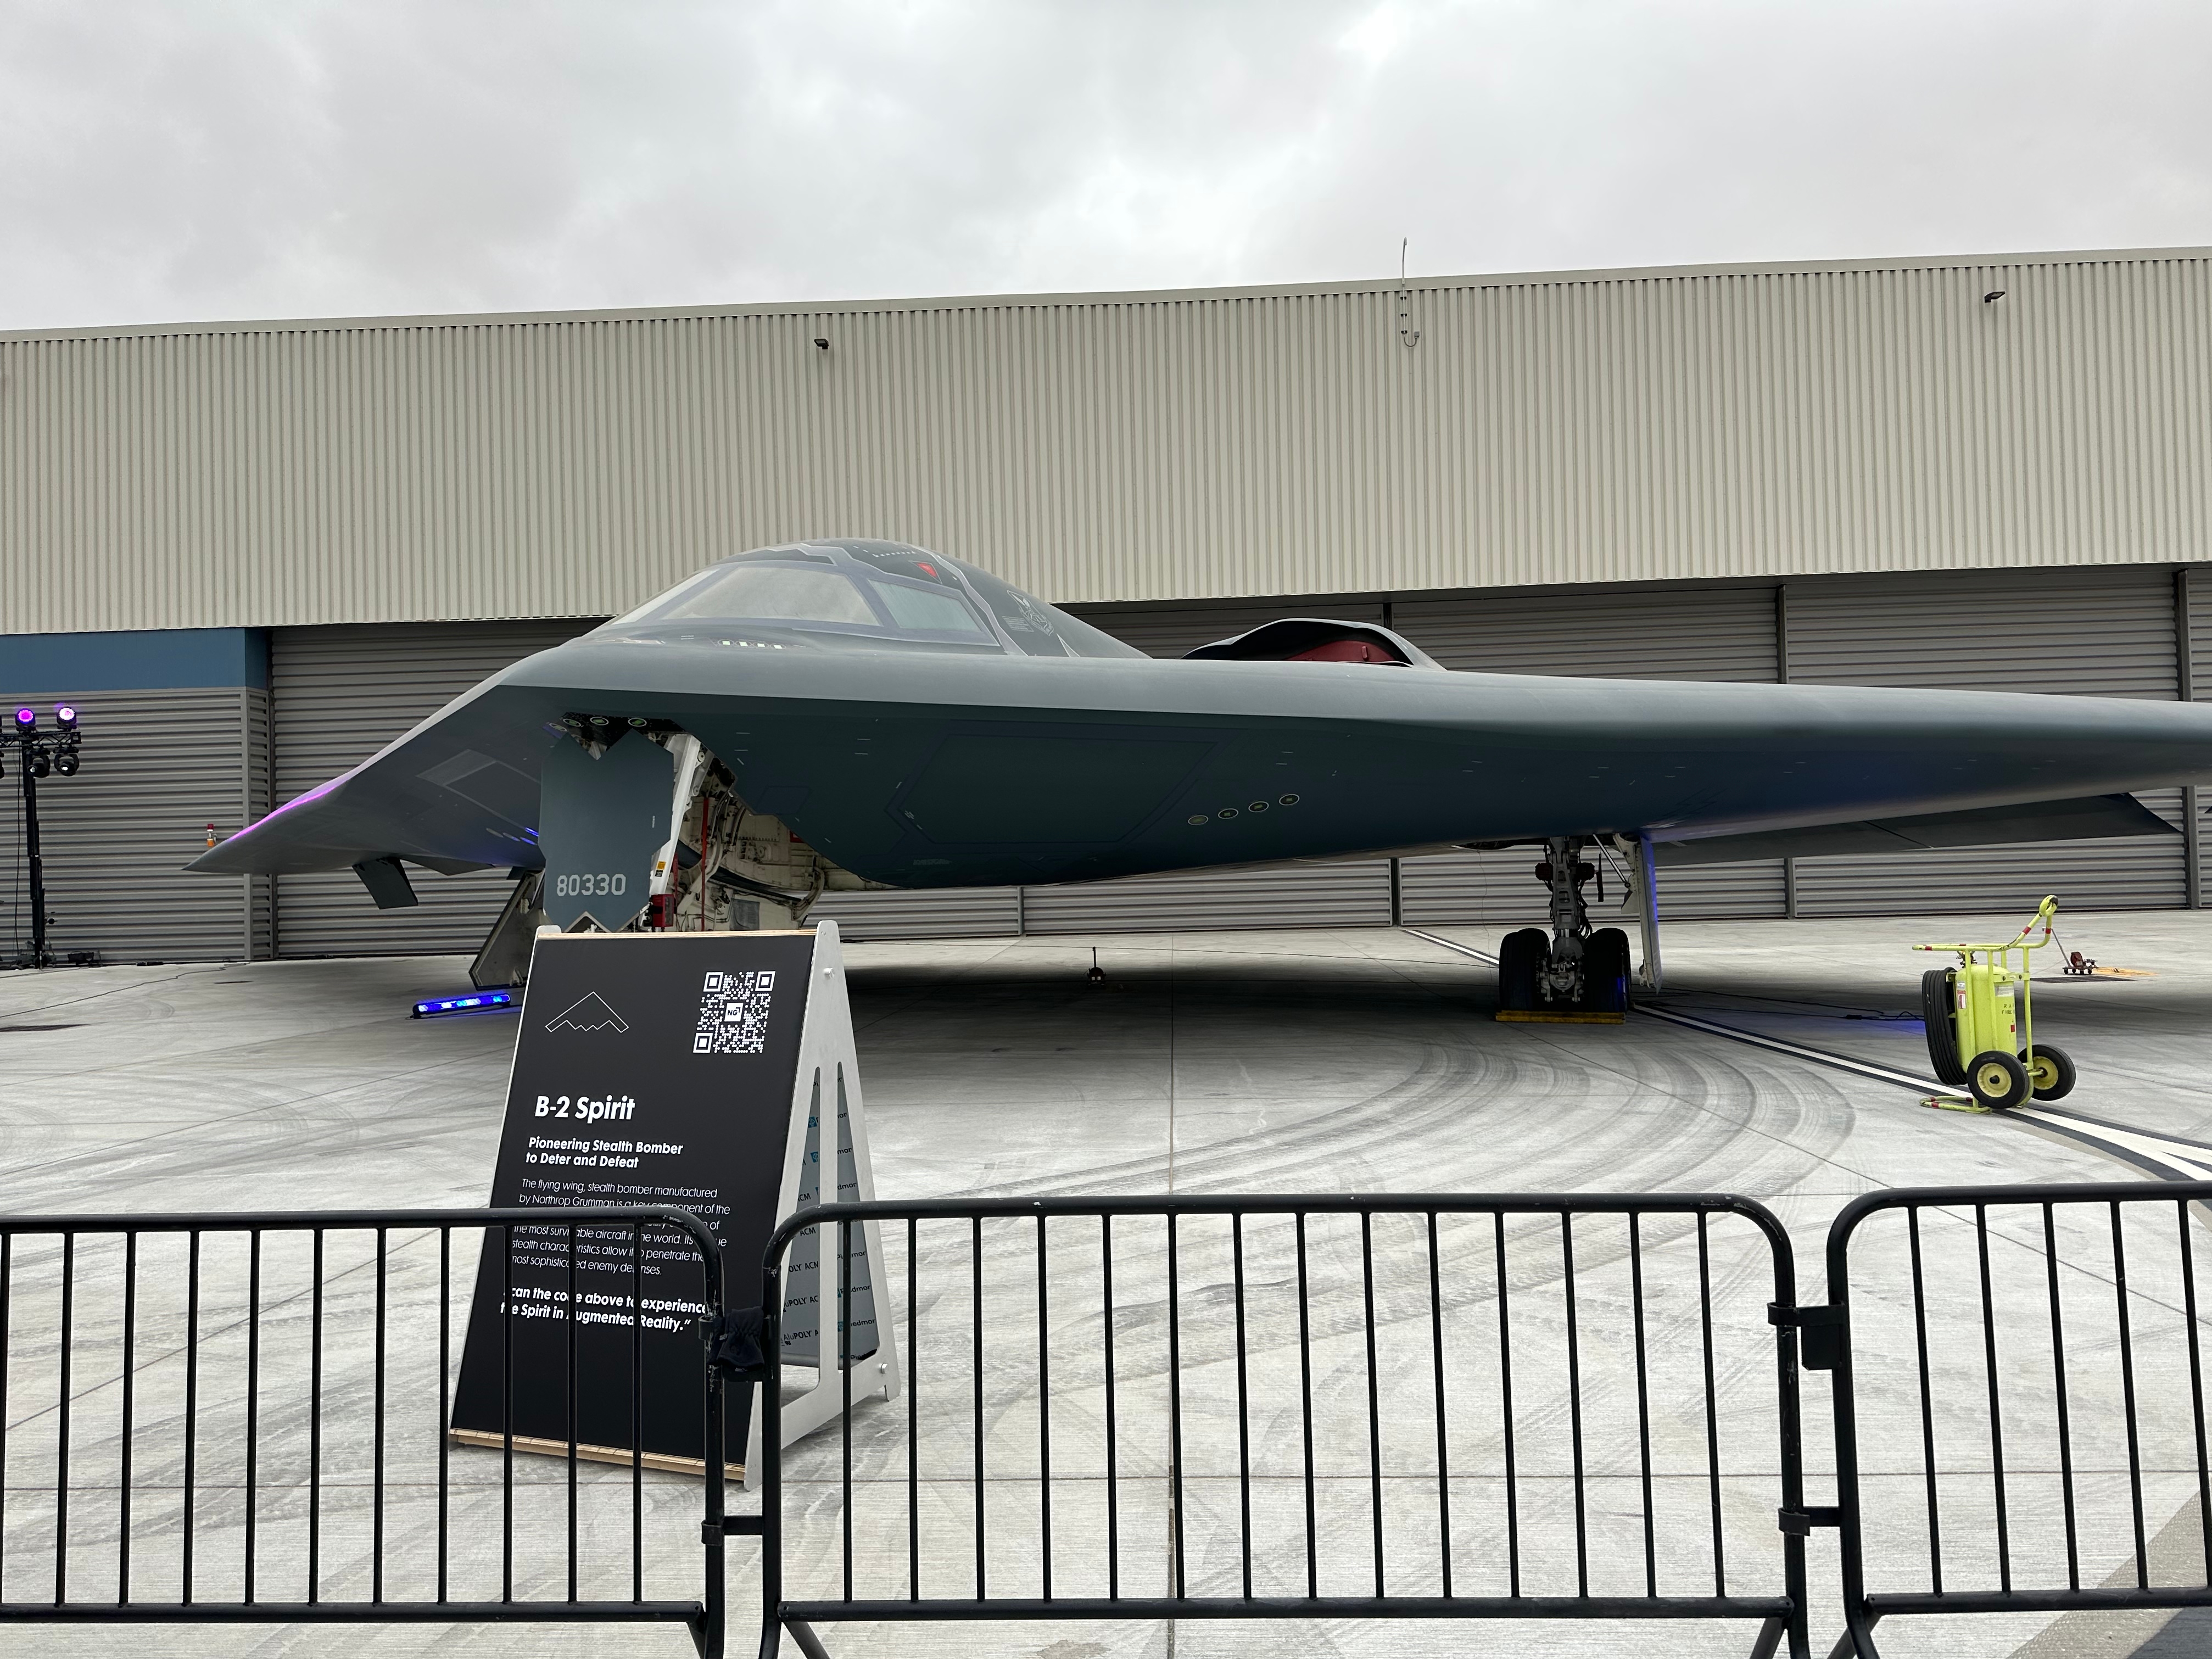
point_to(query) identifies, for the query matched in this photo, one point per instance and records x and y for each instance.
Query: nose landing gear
(1577, 974)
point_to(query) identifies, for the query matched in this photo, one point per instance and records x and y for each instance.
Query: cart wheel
(1605, 972)
(1940, 1012)
(2050, 1071)
(1998, 1079)
(1519, 959)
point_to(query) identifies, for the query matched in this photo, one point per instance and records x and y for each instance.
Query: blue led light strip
(480, 1002)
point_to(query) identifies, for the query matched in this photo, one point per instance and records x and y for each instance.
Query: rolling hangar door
(338, 696)
(176, 744)
(2111, 631)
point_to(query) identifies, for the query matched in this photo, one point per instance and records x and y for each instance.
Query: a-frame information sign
(690, 1069)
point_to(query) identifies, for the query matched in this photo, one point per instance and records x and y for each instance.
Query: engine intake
(1318, 639)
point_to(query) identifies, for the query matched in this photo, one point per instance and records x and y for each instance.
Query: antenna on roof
(1409, 336)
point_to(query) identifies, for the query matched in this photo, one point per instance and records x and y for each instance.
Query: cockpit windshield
(885, 589)
(775, 592)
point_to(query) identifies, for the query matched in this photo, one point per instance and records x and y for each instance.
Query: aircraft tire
(1940, 1015)
(1519, 959)
(1998, 1079)
(1605, 971)
(2050, 1071)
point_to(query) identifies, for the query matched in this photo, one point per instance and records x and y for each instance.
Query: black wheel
(1998, 1079)
(1940, 1010)
(1520, 958)
(2050, 1071)
(1605, 971)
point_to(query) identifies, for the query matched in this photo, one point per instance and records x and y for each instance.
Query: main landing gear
(1577, 973)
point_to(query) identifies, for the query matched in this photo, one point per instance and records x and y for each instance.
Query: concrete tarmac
(1231, 1062)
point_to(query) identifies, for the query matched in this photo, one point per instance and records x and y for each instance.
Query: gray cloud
(228, 159)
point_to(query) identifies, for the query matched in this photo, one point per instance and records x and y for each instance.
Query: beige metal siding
(160, 767)
(340, 694)
(1592, 426)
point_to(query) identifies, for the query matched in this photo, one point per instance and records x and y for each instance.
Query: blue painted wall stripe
(150, 659)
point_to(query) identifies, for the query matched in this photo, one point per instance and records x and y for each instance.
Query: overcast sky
(179, 159)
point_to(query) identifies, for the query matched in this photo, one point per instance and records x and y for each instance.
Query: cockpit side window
(928, 610)
(1040, 630)
(777, 593)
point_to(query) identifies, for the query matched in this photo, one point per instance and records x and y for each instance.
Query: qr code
(733, 1013)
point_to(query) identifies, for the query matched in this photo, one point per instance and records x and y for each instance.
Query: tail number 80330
(590, 886)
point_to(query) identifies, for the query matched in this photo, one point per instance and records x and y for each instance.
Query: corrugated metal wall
(341, 693)
(160, 767)
(2106, 633)
(1354, 894)
(944, 913)
(256, 762)
(1650, 633)
(1573, 428)
(1293, 895)
(1501, 888)
(2193, 603)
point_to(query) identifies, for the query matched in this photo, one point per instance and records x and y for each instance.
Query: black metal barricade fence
(1534, 1408)
(2056, 1460)
(1299, 1407)
(233, 1418)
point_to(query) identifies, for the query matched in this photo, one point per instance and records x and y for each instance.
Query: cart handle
(2045, 914)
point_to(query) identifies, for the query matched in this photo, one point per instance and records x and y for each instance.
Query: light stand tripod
(40, 753)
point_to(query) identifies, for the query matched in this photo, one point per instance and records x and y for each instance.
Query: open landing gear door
(603, 821)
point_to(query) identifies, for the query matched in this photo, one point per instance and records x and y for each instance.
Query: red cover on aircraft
(1344, 651)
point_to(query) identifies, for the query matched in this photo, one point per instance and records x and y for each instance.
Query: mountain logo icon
(589, 1013)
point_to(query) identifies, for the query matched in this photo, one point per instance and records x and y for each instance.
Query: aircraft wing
(2097, 817)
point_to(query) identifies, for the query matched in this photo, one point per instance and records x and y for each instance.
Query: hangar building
(253, 552)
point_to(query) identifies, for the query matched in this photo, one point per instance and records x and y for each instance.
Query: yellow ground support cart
(1979, 1034)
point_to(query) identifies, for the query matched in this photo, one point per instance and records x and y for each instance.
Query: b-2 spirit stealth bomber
(840, 713)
